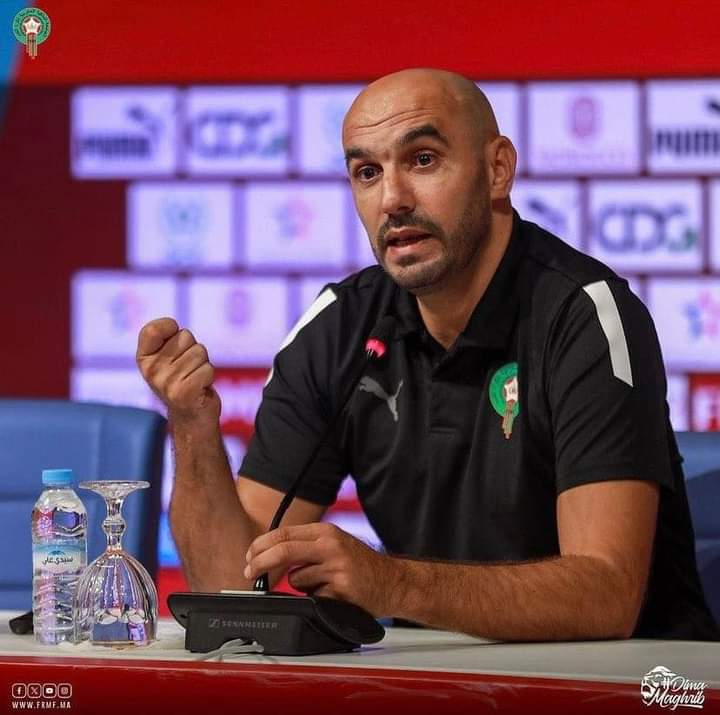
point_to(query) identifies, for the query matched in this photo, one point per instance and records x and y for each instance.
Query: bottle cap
(57, 477)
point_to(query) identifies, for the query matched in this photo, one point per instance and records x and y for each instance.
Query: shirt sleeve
(295, 409)
(606, 389)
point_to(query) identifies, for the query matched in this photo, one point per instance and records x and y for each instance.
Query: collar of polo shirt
(491, 322)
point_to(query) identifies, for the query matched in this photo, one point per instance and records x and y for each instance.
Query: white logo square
(120, 132)
(112, 386)
(180, 225)
(237, 131)
(504, 98)
(647, 225)
(714, 231)
(683, 126)
(110, 307)
(241, 321)
(553, 205)
(296, 225)
(686, 312)
(581, 128)
(321, 109)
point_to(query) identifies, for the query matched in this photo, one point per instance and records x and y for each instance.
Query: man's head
(427, 168)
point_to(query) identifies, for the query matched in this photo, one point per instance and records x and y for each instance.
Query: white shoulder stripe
(326, 298)
(612, 326)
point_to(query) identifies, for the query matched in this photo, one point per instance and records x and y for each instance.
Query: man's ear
(502, 160)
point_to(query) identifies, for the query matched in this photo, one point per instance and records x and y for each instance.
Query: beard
(458, 248)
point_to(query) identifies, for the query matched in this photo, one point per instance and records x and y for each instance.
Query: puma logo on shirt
(367, 384)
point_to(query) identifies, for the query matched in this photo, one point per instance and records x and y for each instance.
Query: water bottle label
(58, 559)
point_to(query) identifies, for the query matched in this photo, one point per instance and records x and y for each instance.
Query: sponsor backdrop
(209, 185)
(238, 213)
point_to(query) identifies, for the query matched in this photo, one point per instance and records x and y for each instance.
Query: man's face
(418, 180)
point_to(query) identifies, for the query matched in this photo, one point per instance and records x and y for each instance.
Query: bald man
(512, 450)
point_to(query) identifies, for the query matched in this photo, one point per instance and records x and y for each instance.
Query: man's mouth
(404, 238)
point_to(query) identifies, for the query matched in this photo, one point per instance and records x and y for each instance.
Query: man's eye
(424, 158)
(366, 173)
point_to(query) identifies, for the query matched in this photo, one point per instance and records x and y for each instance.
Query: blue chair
(96, 442)
(701, 464)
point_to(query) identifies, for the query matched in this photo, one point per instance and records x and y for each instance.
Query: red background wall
(273, 40)
(240, 40)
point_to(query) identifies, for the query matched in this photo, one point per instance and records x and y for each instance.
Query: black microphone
(280, 623)
(375, 348)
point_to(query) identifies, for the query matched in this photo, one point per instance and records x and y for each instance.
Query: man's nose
(397, 194)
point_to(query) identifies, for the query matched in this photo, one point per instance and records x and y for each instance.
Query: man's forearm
(565, 598)
(209, 525)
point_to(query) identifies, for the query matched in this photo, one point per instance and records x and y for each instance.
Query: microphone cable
(375, 348)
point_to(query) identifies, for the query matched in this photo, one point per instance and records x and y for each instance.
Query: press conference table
(411, 670)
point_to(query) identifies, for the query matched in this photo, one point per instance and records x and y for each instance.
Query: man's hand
(325, 561)
(178, 370)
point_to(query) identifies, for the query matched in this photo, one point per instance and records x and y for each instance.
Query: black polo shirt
(556, 381)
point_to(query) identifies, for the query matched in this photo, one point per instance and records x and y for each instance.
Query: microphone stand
(375, 348)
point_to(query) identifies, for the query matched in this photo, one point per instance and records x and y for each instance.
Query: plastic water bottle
(59, 526)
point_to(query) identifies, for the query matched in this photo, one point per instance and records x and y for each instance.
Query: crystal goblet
(116, 601)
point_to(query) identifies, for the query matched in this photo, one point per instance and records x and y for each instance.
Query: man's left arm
(594, 589)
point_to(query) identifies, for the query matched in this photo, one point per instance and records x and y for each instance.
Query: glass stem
(114, 524)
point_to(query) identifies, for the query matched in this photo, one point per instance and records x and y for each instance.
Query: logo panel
(678, 398)
(110, 307)
(714, 232)
(583, 128)
(295, 225)
(644, 225)
(180, 225)
(321, 112)
(241, 321)
(687, 317)
(683, 127)
(120, 132)
(237, 131)
(553, 205)
(113, 386)
(505, 101)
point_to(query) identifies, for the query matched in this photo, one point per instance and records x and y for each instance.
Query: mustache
(411, 220)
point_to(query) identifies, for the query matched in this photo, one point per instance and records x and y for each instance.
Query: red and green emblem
(31, 26)
(504, 395)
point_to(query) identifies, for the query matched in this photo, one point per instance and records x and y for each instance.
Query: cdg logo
(215, 134)
(624, 228)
